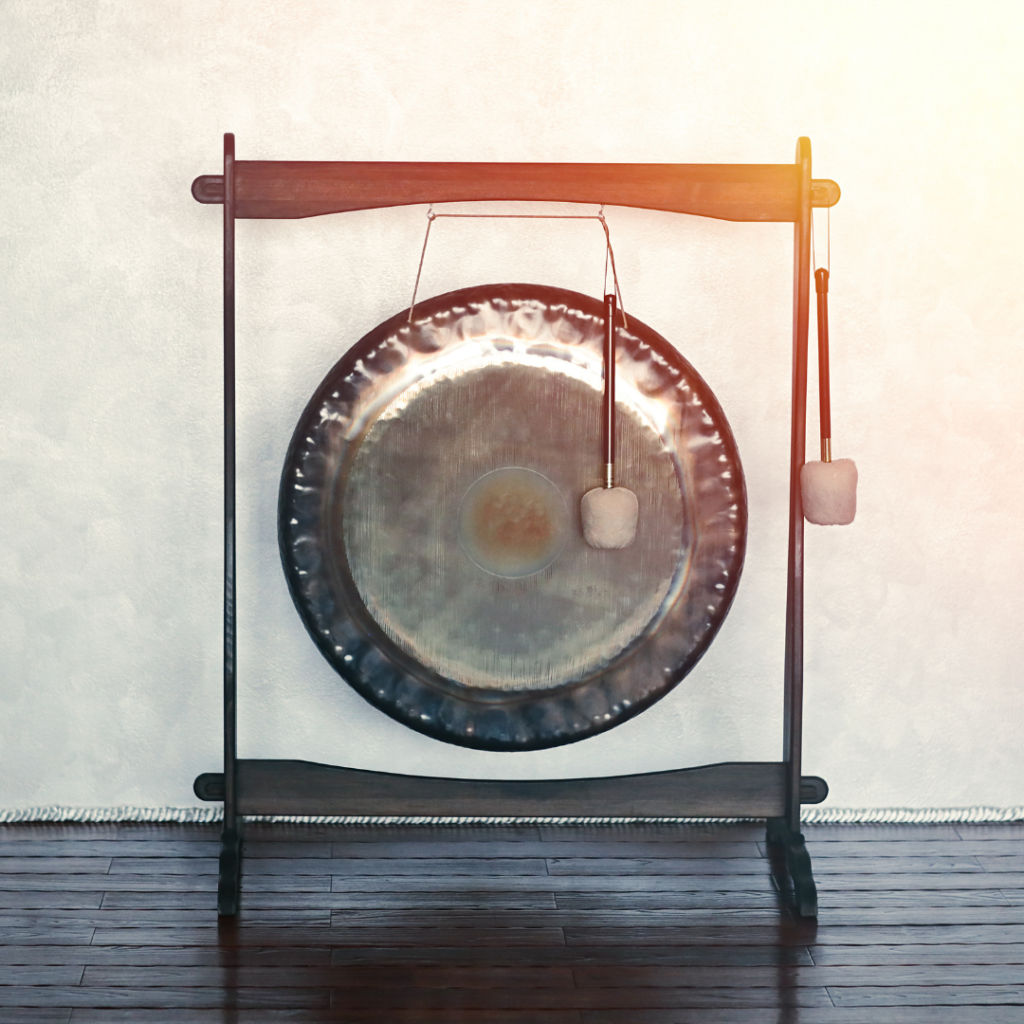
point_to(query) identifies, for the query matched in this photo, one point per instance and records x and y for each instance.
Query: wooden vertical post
(230, 865)
(794, 672)
(786, 831)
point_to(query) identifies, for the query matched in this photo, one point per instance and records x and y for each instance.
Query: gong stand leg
(794, 862)
(786, 831)
(230, 876)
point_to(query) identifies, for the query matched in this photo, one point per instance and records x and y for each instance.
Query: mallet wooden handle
(608, 410)
(824, 402)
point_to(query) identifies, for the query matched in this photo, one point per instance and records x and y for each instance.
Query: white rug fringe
(199, 815)
(910, 816)
(809, 815)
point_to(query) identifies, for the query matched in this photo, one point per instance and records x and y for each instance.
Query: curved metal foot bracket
(797, 865)
(230, 879)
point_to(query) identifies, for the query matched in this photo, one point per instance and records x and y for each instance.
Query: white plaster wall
(110, 397)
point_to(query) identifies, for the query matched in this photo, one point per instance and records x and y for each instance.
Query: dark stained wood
(603, 900)
(280, 831)
(424, 901)
(367, 978)
(849, 867)
(874, 833)
(798, 977)
(351, 919)
(767, 996)
(36, 1015)
(264, 935)
(449, 866)
(106, 848)
(152, 880)
(990, 994)
(657, 832)
(860, 900)
(27, 900)
(1001, 863)
(167, 831)
(159, 918)
(290, 189)
(1007, 831)
(822, 1015)
(449, 1015)
(915, 848)
(910, 954)
(36, 831)
(733, 789)
(503, 924)
(162, 997)
(20, 974)
(48, 865)
(847, 935)
(551, 848)
(47, 935)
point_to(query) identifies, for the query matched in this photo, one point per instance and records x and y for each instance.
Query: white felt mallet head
(829, 492)
(609, 517)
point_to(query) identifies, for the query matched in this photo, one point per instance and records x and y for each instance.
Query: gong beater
(429, 519)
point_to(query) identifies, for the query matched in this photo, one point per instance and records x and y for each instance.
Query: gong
(430, 529)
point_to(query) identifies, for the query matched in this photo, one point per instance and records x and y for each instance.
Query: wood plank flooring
(652, 924)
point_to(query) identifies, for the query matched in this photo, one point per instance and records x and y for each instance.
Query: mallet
(828, 489)
(609, 513)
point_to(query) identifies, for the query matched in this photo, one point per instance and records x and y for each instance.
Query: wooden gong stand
(774, 790)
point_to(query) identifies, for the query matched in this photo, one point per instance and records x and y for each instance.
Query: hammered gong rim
(522, 324)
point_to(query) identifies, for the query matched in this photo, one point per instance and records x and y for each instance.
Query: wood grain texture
(290, 189)
(509, 925)
(821, 1015)
(732, 789)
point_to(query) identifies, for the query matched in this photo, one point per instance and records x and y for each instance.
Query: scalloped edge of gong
(502, 720)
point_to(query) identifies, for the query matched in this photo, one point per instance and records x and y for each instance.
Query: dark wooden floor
(590, 925)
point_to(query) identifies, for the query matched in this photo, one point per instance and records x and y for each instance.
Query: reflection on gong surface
(430, 525)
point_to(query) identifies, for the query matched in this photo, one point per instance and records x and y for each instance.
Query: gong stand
(271, 189)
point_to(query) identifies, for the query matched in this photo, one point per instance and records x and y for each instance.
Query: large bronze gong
(430, 529)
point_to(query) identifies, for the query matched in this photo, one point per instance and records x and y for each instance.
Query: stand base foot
(798, 865)
(230, 879)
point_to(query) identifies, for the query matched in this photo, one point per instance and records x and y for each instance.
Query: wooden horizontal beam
(277, 189)
(733, 789)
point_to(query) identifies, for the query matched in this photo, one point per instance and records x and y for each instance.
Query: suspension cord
(599, 216)
(821, 276)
